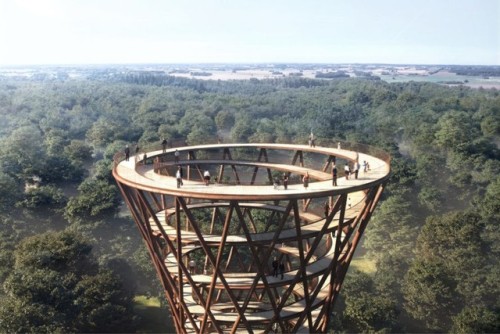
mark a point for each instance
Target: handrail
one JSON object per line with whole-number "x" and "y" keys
{"x": 327, "y": 142}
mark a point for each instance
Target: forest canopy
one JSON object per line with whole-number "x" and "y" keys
{"x": 434, "y": 239}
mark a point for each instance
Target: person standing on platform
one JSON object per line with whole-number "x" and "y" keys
{"x": 365, "y": 166}
{"x": 127, "y": 153}
{"x": 178, "y": 177}
{"x": 282, "y": 269}
{"x": 338, "y": 146}
{"x": 285, "y": 181}
{"x": 137, "y": 148}
{"x": 327, "y": 209}
{"x": 276, "y": 183}
{"x": 275, "y": 267}
{"x": 192, "y": 267}
{"x": 206, "y": 177}
{"x": 176, "y": 156}
{"x": 305, "y": 180}
{"x": 164, "y": 145}
{"x": 312, "y": 140}
{"x": 356, "y": 170}
{"x": 334, "y": 175}
{"x": 347, "y": 171}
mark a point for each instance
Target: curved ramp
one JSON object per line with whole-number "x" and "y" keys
{"x": 217, "y": 248}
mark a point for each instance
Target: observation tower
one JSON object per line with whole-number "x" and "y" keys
{"x": 242, "y": 254}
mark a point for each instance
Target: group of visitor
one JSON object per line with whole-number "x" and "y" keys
{"x": 278, "y": 268}
{"x": 350, "y": 172}
{"x": 276, "y": 182}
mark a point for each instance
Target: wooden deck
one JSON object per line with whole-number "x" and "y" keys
{"x": 135, "y": 174}
{"x": 315, "y": 224}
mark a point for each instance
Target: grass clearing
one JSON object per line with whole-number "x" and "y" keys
{"x": 154, "y": 318}
{"x": 364, "y": 264}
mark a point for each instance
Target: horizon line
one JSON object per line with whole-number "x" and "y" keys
{"x": 238, "y": 63}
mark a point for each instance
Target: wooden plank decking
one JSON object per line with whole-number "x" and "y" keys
{"x": 143, "y": 177}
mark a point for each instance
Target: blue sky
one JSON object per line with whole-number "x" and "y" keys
{"x": 253, "y": 31}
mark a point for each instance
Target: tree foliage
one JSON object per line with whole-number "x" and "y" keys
{"x": 48, "y": 197}
{"x": 95, "y": 199}
{"x": 56, "y": 285}
{"x": 58, "y": 138}
{"x": 452, "y": 270}
{"x": 365, "y": 309}
{"x": 476, "y": 320}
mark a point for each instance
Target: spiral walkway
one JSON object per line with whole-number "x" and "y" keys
{"x": 215, "y": 247}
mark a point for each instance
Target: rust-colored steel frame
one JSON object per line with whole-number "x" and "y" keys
{"x": 246, "y": 296}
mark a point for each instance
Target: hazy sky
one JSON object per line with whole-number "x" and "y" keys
{"x": 250, "y": 31}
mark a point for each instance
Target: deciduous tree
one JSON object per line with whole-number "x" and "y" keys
{"x": 57, "y": 286}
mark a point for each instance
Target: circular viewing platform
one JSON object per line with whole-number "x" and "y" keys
{"x": 160, "y": 176}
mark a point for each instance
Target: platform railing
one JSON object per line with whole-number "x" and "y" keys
{"x": 326, "y": 142}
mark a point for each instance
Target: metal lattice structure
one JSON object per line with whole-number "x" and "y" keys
{"x": 243, "y": 254}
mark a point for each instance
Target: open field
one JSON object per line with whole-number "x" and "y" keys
{"x": 444, "y": 77}
{"x": 386, "y": 72}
